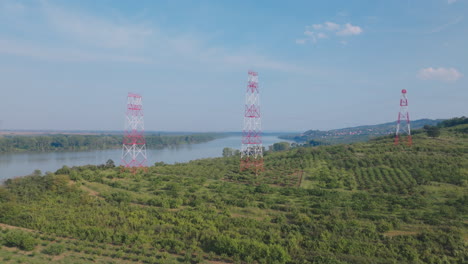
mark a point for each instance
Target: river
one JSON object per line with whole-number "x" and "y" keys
{"x": 20, "y": 164}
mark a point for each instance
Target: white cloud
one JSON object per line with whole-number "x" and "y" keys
{"x": 312, "y": 37}
{"x": 317, "y": 26}
{"x": 440, "y": 74}
{"x": 322, "y": 35}
{"x": 448, "y": 24}
{"x": 322, "y": 31}
{"x": 331, "y": 26}
{"x": 349, "y": 30}
{"x": 451, "y": 1}
{"x": 300, "y": 41}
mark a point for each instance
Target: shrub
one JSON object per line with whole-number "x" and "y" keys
{"x": 54, "y": 249}
{"x": 20, "y": 239}
{"x": 119, "y": 197}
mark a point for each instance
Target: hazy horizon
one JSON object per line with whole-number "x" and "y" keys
{"x": 191, "y": 131}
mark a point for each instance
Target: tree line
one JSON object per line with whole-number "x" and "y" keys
{"x": 43, "y": 143}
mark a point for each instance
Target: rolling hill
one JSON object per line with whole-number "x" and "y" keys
{"x": 355, "y": 134}
{"x": 367, "y": 202}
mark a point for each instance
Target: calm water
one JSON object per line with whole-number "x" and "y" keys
{"x": 20, "y": 164}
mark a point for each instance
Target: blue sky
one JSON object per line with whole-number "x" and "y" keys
{"x": 321, "y": 64}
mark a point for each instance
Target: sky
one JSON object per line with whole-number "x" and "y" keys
{"x": 69, "y": 65}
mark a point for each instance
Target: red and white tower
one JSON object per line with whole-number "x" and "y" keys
{"x": 403, "y": 115}
{"x": 252, "y": 149}
{"x": 134, "y": 144}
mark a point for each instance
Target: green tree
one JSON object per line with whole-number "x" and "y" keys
{"x": 432, "y": 131}
{"x": 280, "y": 146}
{"x": 110, "y": 163}
{"x": 228, "y": 152}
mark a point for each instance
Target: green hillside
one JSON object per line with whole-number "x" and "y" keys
{"x": 369, "y": 202}
{"x": 355, "y": 134}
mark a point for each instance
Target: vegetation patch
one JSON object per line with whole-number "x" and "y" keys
{"x": 367, "y": 202}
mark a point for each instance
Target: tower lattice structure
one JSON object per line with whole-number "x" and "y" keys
{"x": 134, "y": 143}
{"x": 403, "y": 117}
{"x": 252, "y": 149}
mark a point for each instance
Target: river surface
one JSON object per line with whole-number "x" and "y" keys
{"x": 20, "y": 164}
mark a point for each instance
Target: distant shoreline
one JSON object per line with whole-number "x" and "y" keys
{"x": 17, "y": 143}
{"x": 39, "y": 133}
{"x": 19, "y": 132}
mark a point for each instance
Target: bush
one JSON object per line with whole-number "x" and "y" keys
{"x": 119, "y": 197}
{"x": 21, "y": 239}
{"x": 432, "y": 131}
{"x": 54, "y": 249}
{"x": 263, "y": 188}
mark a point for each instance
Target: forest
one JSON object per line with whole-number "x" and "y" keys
{"x": 367, "y": 202}
{"x": 42, "y": 143}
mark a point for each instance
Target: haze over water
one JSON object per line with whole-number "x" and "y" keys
{"x": 20, "y": 164}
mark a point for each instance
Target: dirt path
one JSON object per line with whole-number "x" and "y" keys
{"x": 16, "y": 227}
{"x": 90, "y": 191}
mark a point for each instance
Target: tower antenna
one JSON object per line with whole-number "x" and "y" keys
{"x": 403, "y": 115}
{"x": 252, "y": 149}
{"x": 134, "y": 143}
